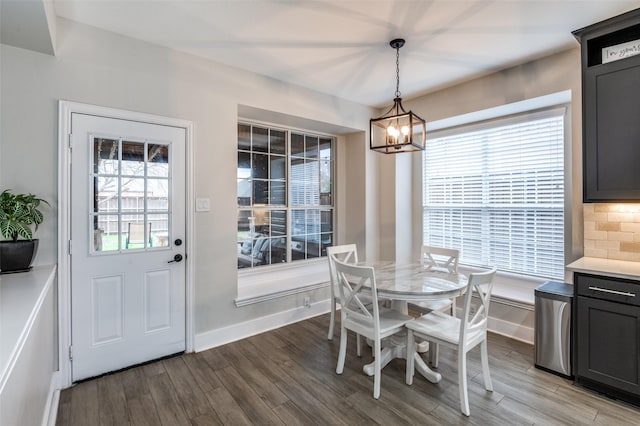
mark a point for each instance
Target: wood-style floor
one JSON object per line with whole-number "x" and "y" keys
{"x": 287, "y": 376}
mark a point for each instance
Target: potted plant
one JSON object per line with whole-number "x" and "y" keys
{"x": 18, "y": 214}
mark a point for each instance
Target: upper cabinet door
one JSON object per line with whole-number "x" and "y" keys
{"x": 611, "y": 110}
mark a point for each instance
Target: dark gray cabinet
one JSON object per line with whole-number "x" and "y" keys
{"x": 607, "y": 335}
{"x": 610, "y": 111}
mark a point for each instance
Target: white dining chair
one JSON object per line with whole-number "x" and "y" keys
{"x": 461, "y": 334}
{"x": 437, "y": 259}
{"x": 369, "y": 320}
{"x": 347, "y": 253}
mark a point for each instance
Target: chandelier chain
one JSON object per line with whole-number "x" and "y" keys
{"x": 397, "y": 72}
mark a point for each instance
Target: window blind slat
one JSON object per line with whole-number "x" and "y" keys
{"x": 497, "y": 194}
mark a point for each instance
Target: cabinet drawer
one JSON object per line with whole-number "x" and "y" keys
{"x": 613, "y": 289}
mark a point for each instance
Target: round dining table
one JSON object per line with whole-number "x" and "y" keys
{"x": 405, "y": 282}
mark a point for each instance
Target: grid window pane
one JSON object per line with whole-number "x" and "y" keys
{"x": 270, "y": 183}
{"x": 244, "y": 137}
{"x": 496, "y": 193}
{"x": 278, "y": 143}
{"x": 260, "y": 139}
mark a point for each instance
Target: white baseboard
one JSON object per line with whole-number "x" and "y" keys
{"x": 51, "y": 409}
{"x": 221, "y": 336}
{"x": 511, "y": 330}
{"x": 232, "y": 333}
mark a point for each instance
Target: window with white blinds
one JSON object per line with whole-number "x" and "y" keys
{"x": 495, "y": 191}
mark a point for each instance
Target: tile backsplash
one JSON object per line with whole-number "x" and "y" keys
{"x": 612, "y": 231}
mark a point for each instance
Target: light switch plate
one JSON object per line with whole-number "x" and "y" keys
{"x": 202, "y": 204}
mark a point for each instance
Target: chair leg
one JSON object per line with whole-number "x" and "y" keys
{"x": 343, "y": 350}
{"x": 485, "y": 366}
{"x": 462, "y": 382}
{"x": 377, "y": 374}
{"x": 358, "y": 345}
{"x": 410, "y": 361}
{"x": 332, "y": 321}
{"x": 434, "y": 350}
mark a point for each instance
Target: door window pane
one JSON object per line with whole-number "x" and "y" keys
{"x": 159, "y": 228}
{"x": 105, "y": 233}
{"x": 105, "y": 156}
{"x": 157, "y": 194}
{"x": 135, "y": 234}
{"x": 158, "y": 160}
{"x": 133, "y": 158}
{"x": 130, "y": 195}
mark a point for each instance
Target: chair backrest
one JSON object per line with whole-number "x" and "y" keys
{"x": 439, "y": 258}
{"x": 347, "y": 253}
{"x": 357, "y": 283}
{"x": 482, "y": 284}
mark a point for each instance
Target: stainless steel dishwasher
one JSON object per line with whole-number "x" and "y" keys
{"x": 552, "y": 337}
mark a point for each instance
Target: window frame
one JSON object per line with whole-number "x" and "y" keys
{"x": 521, "y": 112}
{"x": 284, "y": 273}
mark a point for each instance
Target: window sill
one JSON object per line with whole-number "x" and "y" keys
{"x": 259, "y": 285}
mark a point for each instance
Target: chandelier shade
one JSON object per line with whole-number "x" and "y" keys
{"x": 397, "y": 130}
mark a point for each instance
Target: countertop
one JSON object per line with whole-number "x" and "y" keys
{"x": 606, "y": 267}
{"x": 21, "y": 296}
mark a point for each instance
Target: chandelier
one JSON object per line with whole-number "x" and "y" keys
{"x": 397, "y": 130}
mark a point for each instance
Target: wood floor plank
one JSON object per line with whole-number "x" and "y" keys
{"x": 203, "y": 374}
{"x": 214, "y": 359}
{"x": 112, "y": 401}
{"x": 260, "y": 383}
{"x": 287, "y": 376}
{"x": 206, "y": 420}
{"x": 64, "y": 408}
{"x": 84, "y": 404}
{"x": 153, "y": 369}
{"x": 134, "y": 382}
{"x": 193, "y": 401}
{"x": 244, "y": 395}
{"x": 227, "y": 409}
{"x": 166, "y": 401}
{"x": 142, "y": 410}
{"x": 310, "y": 405}
{"x": 291, "y": 415}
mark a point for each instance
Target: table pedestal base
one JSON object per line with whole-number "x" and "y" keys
{"x": 398, "y": 349}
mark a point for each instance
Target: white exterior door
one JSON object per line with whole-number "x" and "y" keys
{"x": 127, "y": 243}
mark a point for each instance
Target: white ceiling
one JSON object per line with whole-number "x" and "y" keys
{"x": 342, "y": 47}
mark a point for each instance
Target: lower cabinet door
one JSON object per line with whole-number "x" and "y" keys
{"x": 608, "y": 343}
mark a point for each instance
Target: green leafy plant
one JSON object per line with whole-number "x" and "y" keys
{"x": 18, "y": 213}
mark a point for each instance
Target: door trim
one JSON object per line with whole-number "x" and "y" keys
{"x": 65, "y": 110}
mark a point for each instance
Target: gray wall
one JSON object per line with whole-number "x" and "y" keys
{"x": 97, "y": 67}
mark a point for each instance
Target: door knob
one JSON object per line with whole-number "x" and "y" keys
{"x": 178, "y": 242}
{"x": 176, "y": 258}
